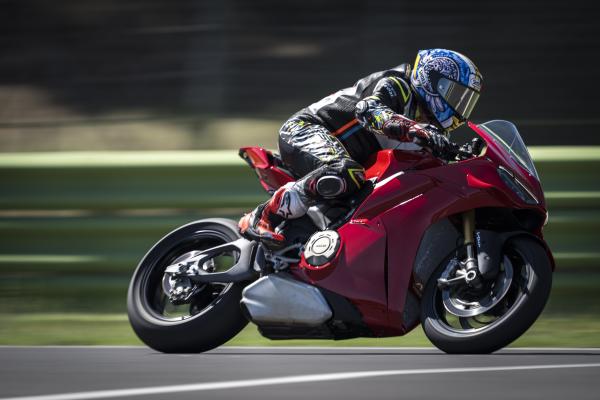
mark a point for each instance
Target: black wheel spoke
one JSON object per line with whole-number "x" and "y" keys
{"x": 464, "y": 323}
{"x": 163, "y": 302}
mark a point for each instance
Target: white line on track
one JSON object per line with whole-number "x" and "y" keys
{"x": 149, "y": 391}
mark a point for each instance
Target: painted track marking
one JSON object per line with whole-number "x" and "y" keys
{"x": 106, "y": 394}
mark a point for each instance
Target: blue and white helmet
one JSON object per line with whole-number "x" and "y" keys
{"x": 448, "y": 83}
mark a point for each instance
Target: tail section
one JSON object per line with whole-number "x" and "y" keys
{"x": 268, "y": 167}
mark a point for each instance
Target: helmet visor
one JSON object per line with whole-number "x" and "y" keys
{"x": 461, "y": 98}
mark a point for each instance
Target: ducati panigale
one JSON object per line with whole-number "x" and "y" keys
{"x": 454, "y": 245}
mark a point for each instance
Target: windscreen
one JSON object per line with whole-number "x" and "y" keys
{"x": 507, "y": 136}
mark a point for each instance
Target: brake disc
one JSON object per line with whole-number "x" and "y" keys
{"x": 461, "y": 307}
{"x": 180, "y": 288}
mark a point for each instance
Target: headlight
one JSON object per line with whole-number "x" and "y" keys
{"x": 516, "y": 186}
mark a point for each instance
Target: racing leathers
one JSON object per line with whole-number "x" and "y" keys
{"x": 326, "y": 144}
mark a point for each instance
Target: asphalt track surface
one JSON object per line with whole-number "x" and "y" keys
{"x": 53, "y": 373}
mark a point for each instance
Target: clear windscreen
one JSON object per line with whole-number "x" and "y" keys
{"x": 507, "y": 136}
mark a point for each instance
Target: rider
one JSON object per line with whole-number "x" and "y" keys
{"x": 327, "y": 143}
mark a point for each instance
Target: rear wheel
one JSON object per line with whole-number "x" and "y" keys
{"x": 460, "y": 320}
{"x": 210, "y": 316}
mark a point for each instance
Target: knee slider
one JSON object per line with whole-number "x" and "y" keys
{"x": 341, "y": 178}
{"x": 330, "y": 186}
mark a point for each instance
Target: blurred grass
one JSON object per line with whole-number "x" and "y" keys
{"x": 571, "y": 319}
{"x": 113, "y": 329}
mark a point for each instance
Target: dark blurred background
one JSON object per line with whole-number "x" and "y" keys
{"x": 161, "y": 74}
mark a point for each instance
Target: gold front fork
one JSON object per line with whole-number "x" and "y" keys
{"x": 469, "y": 226}
{"x": 473, "y": 276}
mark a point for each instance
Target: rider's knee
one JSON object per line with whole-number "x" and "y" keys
{"x": 339, "y": 179}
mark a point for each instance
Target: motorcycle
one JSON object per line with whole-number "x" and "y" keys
{"x": 454, "y": 245}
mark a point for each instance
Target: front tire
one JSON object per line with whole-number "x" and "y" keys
{"x": 520, "y": 306}
{"x": 212, "y": 317}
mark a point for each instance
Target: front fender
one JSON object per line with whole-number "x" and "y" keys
{"x": 509, "y": 235}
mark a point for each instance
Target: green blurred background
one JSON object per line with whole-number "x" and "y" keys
{"x": 120, "y": 120}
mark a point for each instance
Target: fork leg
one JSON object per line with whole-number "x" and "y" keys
{"x": 469, "y": 241}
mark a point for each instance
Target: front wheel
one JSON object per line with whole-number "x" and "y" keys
{"x": 210, "y": 316}
{"x": 461, "y": 320}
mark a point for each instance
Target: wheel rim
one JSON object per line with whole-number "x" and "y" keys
{"x": 156, "y": 302}
{"x": 464, "y": 312}
{"x": 456, "y": 303}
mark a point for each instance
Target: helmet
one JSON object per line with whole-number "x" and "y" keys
{"x": 448, "y": 83}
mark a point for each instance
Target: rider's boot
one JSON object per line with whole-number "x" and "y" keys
{"x": 260, "y": 224}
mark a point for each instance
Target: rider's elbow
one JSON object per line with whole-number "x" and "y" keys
{"x": 363, "y": 111}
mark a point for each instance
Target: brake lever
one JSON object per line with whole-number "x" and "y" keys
{"x": 459, "y": 153}
{"x": 453, "y": 151}
{"x": 465, "y": 151}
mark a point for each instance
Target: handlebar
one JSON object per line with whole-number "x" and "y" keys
{"x": 459, "y": 152}
{"x": 454, "y": 151}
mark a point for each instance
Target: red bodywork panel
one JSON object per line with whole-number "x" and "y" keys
{"x": 387, "y": 162}
{"x": 262, "y": 161}
{"x": 413, "y": 190}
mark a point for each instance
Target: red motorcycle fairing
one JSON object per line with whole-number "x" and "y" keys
{"x": 387, "y": 162}
{"x": 359, "y": 263}
{"x": 374, "y": 265}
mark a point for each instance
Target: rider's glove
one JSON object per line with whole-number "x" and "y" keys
{"x": 429, "y": 136}
{"x": 432, "y": 138}
{"x": 439, "y": 145}
{"x": 398, "y": 127}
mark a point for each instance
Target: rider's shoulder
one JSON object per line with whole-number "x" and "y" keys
{"x": 401, "y": 71}
{"x": 397, "y": 76}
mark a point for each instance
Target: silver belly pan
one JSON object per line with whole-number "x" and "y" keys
{"x": 275, "y": 300}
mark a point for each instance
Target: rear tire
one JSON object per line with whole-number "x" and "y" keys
{"x": 211, "y": 322}
{"x": 511, "y": 323}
